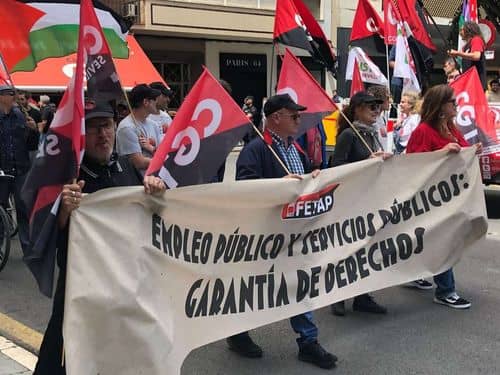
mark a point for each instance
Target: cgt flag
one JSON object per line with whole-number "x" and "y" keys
{"x": 57, "y": 162}
{"x": 295, "y": 26}
{"x": 367, "y": 22}
{"x": 297, "y": 82}
{"x": 206, "y": 128}
{"x": 391, "y": 20}
{"x": 472, "y": 112}
{"x": 103, "y": 83}
{"x": 411, "y": 12}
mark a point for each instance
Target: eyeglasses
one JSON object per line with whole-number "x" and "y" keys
{"x": 294, "y": 117}
{"x": 95, "y": 129}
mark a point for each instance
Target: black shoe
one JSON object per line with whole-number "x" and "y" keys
{"x": 243, "y": 345}
{"x": 454, "y": 301}
{"x": 365, "y": 303}
{"x": 315, "y": 354}
{"x": 338, "y": 308}
{"x": 421, "y": 284}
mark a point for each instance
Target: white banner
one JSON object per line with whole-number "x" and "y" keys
{"x": 151, "y": 278}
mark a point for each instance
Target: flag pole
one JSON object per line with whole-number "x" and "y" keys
{"x": 272, "y": 71}
{"x": 271, "y": 149}
{"x": 446, "y": 43}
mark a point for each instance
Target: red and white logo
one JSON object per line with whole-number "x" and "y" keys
{"x": 310, "y": 205}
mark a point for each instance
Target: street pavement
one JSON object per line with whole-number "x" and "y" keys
{"x": 417, "y": 336}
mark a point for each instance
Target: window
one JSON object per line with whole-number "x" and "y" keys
{"x": 178, "y": 78}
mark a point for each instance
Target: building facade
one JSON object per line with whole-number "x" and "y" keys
{"x": 233, "y": 39}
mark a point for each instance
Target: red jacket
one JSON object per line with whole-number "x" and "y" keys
{"x": 425, "y": 139}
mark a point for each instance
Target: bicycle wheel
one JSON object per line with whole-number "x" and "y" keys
{"x": 4, "y": 238}
{"x": 11, "y": 216}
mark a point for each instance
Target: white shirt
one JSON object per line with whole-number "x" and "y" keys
{"x": 162, "y": 120}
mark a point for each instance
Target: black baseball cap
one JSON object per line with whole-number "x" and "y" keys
{"x": 160, "y": 86}
{"x": 94, "y": 109}
{"x": 363, "y": 97}
{"x": 141, "y": 92}
{"x": 276, "y": 102}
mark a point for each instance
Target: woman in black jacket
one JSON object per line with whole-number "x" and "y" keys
{"x": 362, "y": 111}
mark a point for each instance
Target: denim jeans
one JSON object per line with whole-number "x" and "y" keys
{"x": 445, "y": 284}
{"x": 304, "y": 326}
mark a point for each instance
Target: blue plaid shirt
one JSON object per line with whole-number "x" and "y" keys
{"x": 290, "y": 154}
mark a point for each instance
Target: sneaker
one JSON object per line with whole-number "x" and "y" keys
{"x": 243, "y": 345}
{"x": 338, "y": 308}
{"x": 366, "y": 303}
{"x": 421, "y": 284}
{"x": 454, "y": 301}
{"x": 315, "y": 354}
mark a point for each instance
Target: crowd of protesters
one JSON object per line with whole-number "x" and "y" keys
{"x": 120, "y": 143}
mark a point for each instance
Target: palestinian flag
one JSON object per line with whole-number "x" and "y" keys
{"x": 207, "y": 126}
{"x": 297, "y": 82}
{"x": 295, "y": 26}
{"x": 31, "y": 31}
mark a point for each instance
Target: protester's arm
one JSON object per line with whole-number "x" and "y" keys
{"x": 248, "y": 165}
{"x": 71, "y": 197}
{"x": 139, "y": 161}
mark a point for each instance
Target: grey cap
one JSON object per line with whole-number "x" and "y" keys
{"x": 95, "y": 109}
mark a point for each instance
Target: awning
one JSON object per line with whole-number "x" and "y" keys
{"x": 53, "y": 74}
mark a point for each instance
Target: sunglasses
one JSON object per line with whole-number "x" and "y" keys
{"x": 374, "y": 106}
{"x": 294, "y": 117}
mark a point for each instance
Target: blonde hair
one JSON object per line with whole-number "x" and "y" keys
{"x": 414, "y": 100}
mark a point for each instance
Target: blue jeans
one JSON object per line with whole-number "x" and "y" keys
{"x": 304, "y": 326}
{"x": 445, "y": 284}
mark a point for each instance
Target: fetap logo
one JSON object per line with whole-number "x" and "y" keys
{"x": 310, "y": 205}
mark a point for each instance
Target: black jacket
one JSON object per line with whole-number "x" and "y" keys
{"x": 24, "y": 140}
{"x": 349, "y": 148}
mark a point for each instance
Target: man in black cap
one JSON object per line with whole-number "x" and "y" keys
{"x": 161, "y": 116}
{"x": 138, "y": 137}
{"x": 100, "y": 169}
{"x": 18, "y": 136}
{"x": 256, "y": 160}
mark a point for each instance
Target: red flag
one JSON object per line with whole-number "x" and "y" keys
{"x": 103, "y": 83}
{"x": 391, "y": 20}
{"x": 357, "y": 83}
{"x": 297, "y": 82}
{"x": 408, "y": 11}
{"x": 17, "y": 21}
{"x": 367, "y": 22}
{"x": 295, "y": 26}
{"x": 472, "y": 117}
{"x": 56, "y": 163}
{"x": 207, "y": 126}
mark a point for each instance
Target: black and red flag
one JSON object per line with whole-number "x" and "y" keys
{"x": 295, "y": 26}
{"x": 412, "y": 13}
{"x": 207, "y": 126}
{"x": 57, "y": 163}
{"x": 103, "y": 83}
{"x": 296, "y": 81}
{"x": 368, "y": 30}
